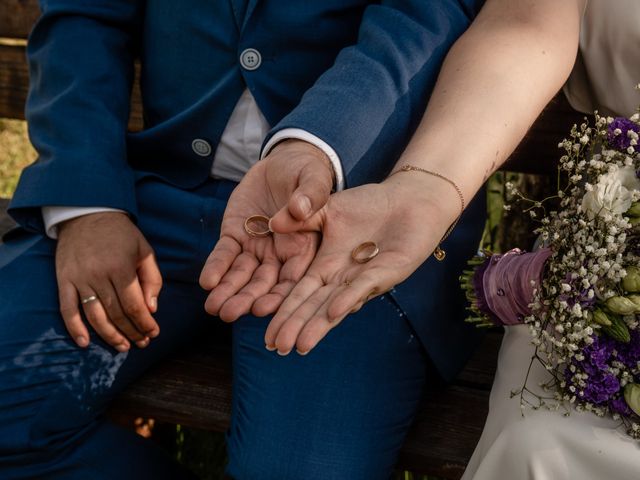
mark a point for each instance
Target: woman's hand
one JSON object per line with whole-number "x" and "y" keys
{"x": 405, "y": 216}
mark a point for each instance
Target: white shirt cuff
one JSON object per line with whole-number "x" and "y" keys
{"x": 53, "y": 216}
{"x": 300, "y": 134}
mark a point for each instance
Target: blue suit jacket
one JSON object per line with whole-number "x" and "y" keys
{"x": 355, "y": 73}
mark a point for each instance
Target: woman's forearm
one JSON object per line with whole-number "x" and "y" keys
{"x": 494, "y": 83}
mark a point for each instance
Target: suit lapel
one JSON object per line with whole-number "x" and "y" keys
{"x": 238, "y": 8}
{"x": 251, "y": 5}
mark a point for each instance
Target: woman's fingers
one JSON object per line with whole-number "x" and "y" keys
{"x": 298, "y": 296}
{"x": 350, "y": 298}
{"x": 287, "y": 335}
{"x": 360, "y": 290}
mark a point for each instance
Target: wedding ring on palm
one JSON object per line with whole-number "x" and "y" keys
{"x": 365, "y": 251}
{"x": 252, "y": 223}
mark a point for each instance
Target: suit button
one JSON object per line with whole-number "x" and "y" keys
{"x": 250, "y": 59}
{"x": 201, "y": 147}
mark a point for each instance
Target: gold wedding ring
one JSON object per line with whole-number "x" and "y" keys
{"x": 364, "y": 252}
{"x": 89, "y": 299}
{"x": 256, "y": 219}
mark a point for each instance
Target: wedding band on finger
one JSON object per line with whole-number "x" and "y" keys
{"x": 257, "y": 219}
{"x": 89, "y": 299}
{"x": 364, "y": 252}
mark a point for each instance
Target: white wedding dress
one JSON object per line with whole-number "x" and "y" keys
{"x": 544, "y": 444}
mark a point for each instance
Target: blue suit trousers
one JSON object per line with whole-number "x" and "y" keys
{"x": 340, "y": 412}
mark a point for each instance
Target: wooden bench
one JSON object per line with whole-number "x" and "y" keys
{"x": 194, "y": 388}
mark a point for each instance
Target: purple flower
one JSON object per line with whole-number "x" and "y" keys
{"x": 629, "y": 353}
{"x": 619, "y": 405}
{"x": 602, "y": 386}
{"x": 622, "y": 140}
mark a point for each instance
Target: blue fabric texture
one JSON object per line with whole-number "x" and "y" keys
{"x": 355, "y": 73}
{"x": 344, "y": 409}
{"x": 365, "y": 70}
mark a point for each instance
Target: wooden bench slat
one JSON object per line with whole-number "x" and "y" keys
{"x": 445, "y": 432}
{"x": 14, "y": 86}
{"x": 481, "y": 369}
{"x": 14, "y": 81}
{"x": 192, "y": 388}
{"x": 17, "y": 17}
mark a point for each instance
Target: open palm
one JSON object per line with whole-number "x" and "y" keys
{"x": 406, "y": 227}
{"x": 242, "y": 268}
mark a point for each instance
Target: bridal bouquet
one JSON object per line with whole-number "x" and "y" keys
{"x": 579, "y": 292}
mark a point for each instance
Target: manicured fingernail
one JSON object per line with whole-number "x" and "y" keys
{"x": 305, "y": 204}
{"x": 303, "y": 353}
{"x": 82, "y": 341}
{"x": 153, "y": 301}
{"x": 153, "y": 333}
{"x": 123, "y": 347}
{"x": 271, "y": 348}
{"x": 284, "y": 354}
{"x": 142, "y": 343}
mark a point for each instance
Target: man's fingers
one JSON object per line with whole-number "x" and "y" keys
{"x": 262, "y": 281}
{"x": 97, "y": 317}
{"x": 314, "y": 187}
{"x": 70, "y": 312}
{"x": 237, "y": 277}
{"x": 150, "y": 280}
{"x": 220, "y": 260}
{"x": 270, "y": 302}
{"x": 311, "y": 195}
{"x": 132, "y": 301}
{"x": 108, "y": 297}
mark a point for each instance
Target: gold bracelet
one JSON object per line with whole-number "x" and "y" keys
{"x": 439, "y": 253}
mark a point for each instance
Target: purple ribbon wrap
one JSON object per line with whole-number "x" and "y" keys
{"x": 503, "y": 286}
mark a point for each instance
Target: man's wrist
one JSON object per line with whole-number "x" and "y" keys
{"x": 92, "y": 217}
{"x": 303, "y": 135}
{"x": 309, "y": 149}
{"x": 54, "y": 216}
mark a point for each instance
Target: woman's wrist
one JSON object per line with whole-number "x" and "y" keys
{"x": 433, "y": 199}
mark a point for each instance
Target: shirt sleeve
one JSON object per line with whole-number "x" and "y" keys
{"x": 53, "y": 216}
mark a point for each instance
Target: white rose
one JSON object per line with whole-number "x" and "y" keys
{"x": 612, "y": 193}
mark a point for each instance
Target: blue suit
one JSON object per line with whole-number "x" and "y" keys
{"x": 357, "y": 74}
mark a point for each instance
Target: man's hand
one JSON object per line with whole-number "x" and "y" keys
{"x": 405, "y": 217}
{"x": 106, "y": 256}
{"x": 255, "y": 274}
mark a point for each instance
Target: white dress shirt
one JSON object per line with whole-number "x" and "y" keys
{"x": 238, "y": 150}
